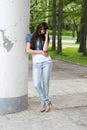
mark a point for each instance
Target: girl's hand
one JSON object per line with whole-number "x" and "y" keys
{"x": 46, "y": 35}
{"x": 45, "y": 53}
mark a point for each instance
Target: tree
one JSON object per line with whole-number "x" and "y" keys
{"x": 80, "y": 36}
{"x": 54, "y": 26}
{"x": 85, "y": 27}
{"x": 47, "y": 12}
{"x": 60, "y": 12}
{"x": 82, "y": 47}
{"x": 72, "y": 12}
{"x": 38, "y": 12}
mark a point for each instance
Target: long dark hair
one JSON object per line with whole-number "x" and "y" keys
{"x": 37, "y": 34}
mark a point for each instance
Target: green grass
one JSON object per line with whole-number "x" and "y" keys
{"x": 70, "y": 54}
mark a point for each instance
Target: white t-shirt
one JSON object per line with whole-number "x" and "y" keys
{"x": 37, "y": 58}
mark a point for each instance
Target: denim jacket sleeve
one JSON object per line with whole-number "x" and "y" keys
{"x": 28, "y": 38}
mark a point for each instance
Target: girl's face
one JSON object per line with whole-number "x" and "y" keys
{"x": 43, "y": 31}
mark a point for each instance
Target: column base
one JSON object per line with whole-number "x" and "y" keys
{"x": 11, "y": 105}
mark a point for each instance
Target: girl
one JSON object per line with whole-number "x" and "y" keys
{"x": 37, "y": 45}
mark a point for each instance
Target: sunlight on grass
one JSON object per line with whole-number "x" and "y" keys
{"x": 70, "y": 54}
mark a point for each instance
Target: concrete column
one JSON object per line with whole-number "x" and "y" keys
{"x": 14, "y": 20}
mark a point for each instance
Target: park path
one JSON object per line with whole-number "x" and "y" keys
{"x": 68, "y": 92}
{"x": 68, "y": 82}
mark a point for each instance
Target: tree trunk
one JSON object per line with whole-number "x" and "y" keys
{"x": 47, "y": 2}
{"x": 80, "y": 36}
{"x": 82, "y": 47}
{"x": 85, "y": 27}
{"x": 54, "y": 26}
{"x": 60, "y": 11}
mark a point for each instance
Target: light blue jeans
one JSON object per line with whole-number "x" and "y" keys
{"x": 41, "y": 77}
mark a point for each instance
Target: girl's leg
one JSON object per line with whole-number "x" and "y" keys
{"x": 37, "y": 74}
{"x": 47, "y": 67}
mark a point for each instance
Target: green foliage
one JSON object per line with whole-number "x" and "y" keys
{"x": 38, "y": 12}
{"x": 72, "y": 12}
{"x": 66, "y": 32}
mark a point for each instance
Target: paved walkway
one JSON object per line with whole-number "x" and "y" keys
{"x": 68, "y": 92}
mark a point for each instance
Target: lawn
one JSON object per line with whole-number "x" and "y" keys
{"x": 70, "y": 54}
{"x": 69, "y": 50}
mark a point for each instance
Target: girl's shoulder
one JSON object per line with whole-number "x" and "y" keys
{"x": 29, "y": 37}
